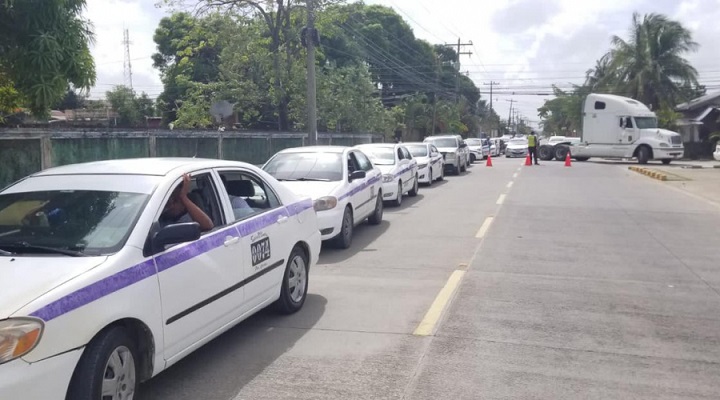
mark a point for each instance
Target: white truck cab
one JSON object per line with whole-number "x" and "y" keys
{"x": 620, "y": 127}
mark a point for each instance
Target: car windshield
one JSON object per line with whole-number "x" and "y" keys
{"x": 418, "y": 151}
{"x": 646, "y": 122}
{"x": 447, "y": 142}
{"x": 380, "y": 155}
{"x": 306, "y": 166}
{"x": 474, "y": 142}
{"x": 85, "y": 222}
{"x": 517, "y": 141}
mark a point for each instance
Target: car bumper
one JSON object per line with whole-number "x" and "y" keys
{"x": 424, "y": 175}
{"x": 390, "y": 190}
{"x": 517, "y": 153}
{"x": 330, "y": 222}
{"x": 47, "y": 379}
{"x": 668, "y": 153}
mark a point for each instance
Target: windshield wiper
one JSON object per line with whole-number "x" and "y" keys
{"x": 32, "y": 247}
{"x": 304, "y": 179}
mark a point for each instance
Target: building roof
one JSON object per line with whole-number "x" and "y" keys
{"x": 709, "y": 99}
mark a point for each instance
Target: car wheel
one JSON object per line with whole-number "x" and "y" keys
{"x": 398, "y": 200}
{"x": 643, "y": 155}
{"x": 582, "y": 158}
{"x": 377, "y": 215}
{"x": 344, "y": 239}
{"x": 472, "y": 158}
{"x": 666, "y": 161}
{"x": 430, "y": 177}
{"x": 295, "y": 282}
{"x": 107, "y": 368}
{"x": 545, "y": 152}
{"x": 414, "y": 191}
{"x": 442, "y": 174}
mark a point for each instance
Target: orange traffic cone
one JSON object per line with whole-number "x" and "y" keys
{"x": 568, "y": 163}
{"x": 489, "y": 161}
{"x": 527, "y": 160}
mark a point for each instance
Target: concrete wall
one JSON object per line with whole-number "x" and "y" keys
{"x": 25, "y": 151}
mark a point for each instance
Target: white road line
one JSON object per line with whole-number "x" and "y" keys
{"x": 501, "y": 199}
{"x": 509, "y": 185}
{"x": 515, "y": 175}
{"x": 484, "y": 228}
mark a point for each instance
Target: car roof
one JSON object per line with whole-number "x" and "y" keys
{"x": 316, "y": 149}
{"x": 443, "y": 137}
{"x": 388, "y": 145}
{"x": 137, "y": 166}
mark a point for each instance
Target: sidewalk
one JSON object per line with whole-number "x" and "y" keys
{"x": 702, "y": 182}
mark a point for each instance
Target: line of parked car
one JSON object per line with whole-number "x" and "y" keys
{"x": 352, "y": 184}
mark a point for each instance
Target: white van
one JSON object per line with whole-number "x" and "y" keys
{"x": 620, "y": 127}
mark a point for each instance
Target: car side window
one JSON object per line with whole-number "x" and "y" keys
{"x": 248, "y": 194}
{"x": 434, "y": 149}
{"x": 352, "y": 163}
{"x": 363, "y": 162}
{"x": 400, "y": 155}
{"x": 406, "y": 153}
{"x": 203, "y": 194}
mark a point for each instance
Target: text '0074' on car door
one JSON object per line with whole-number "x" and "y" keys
{"x": 260, "y": 249}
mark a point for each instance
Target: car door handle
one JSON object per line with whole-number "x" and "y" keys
{"x": 231, "y": 240}
{"x": 282, "y": 219}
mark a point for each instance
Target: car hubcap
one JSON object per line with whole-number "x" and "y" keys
{"x": 297, "y": 279}
{"x": 119, "y": 377}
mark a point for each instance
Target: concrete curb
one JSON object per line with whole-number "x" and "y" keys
{"x": 649, "y": 172}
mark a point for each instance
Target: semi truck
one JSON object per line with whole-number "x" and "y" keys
{"x": 623, "y": 128}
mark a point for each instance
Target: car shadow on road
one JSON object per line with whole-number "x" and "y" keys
{"x": 363, "y": 236}
{"x": 435, "y": 184}
{"x": 221, "y": 368}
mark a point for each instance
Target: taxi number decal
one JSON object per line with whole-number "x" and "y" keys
{"x": 260, "y": 251}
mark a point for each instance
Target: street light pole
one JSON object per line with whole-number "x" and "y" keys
{"x": 310, "y": 38}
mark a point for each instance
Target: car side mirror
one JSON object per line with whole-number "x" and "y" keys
{"x": 355, "y": 175}
{"x": 175, "y": 234}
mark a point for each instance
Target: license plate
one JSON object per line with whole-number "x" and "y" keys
{"x": 260, "y": 251}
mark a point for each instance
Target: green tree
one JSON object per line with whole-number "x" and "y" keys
{"x": 44, "y": 46}
{"x": 131, "y": 109}
{"x": 650, "y": 66}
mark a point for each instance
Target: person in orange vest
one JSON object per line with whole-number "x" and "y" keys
{"x": 532, "y": 146}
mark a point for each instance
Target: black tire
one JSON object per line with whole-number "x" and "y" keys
{"x": 561, "y": 152}
{"x": 414, "y": 191}
{"x": 582, "y": 158}
{"x": 644, "y": 154}
{"x": 343, "y": 239}
{"x": 463, "y": 168}
{"x": 666, "y": 161}
{"x": 472, "y": 158}
{"x": 430, "y": 177}
{"x": 377, "y": 215}
{"x": 94, "y": 366}
{"x": 546, "y": 152}
{"x": 398, "y": 200}
{"x": 291, "y": 301}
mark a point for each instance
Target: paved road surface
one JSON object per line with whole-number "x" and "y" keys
{"x": 589, "y": 282}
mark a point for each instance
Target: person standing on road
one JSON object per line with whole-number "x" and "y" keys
{"x": 532, "y": 147}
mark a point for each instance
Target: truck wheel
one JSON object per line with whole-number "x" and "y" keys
{"x": 545, "y": 152}
{"x": 643, "y": 154}
{"x": 561, "y": 152}
{"x": 666, "y": 161}
{"x": 582, "y": 158}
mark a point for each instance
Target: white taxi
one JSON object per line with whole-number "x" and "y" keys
{"x": 399, "y": 169}
{"x": 115, "y": 270}
{"x": 431, "y": 166}
{"x": 344, "y": 185}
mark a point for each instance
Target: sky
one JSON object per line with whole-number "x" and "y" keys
{"x": 521, "y": 46}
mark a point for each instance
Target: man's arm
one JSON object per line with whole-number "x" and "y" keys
{"x": 193, "y": 210}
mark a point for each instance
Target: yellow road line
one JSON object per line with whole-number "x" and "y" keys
{"x": 427, "y": 325}
{"x": 501, "y": 199}
{"x": 484, "y": 228}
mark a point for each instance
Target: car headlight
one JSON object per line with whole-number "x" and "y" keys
{"x": 388, "y": 178}
{"x": 421, "y": 166}
{"x": 325, "y": 203}
{"x": 664, "y": 145}
{"x": 18, "y": 336}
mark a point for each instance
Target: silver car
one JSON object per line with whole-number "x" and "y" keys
{"x": 454, "y": 151}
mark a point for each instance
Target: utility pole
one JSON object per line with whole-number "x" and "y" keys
{"x": 435, "y": 98}
{"x": 459, "y": 45}
{"x": 510, "y": 113}
{"x": 311, "y": 38}
{"x": 127, "y": 66}
{"x": 491, "y": 99}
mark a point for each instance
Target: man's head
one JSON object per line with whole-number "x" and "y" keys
{"x": 175, "y": 206}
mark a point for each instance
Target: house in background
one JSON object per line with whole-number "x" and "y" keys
{"x": 700, "y": 119}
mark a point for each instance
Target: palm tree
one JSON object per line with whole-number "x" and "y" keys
{"x": 649, "y": 66}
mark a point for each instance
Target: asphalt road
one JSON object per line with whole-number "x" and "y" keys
{"x": 587, "y": 282}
